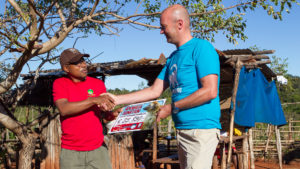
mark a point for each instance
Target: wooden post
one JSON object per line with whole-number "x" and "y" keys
{"x": 240, "y": 161}
{"x": 215, "y": 162}
{"x": 290, "y": 130}
{"x": 245, "y": 152}
{"x": 252, "y": 165}
{"x": 51, "y": 145}
{"x": 170, "y": 128}
{"x": 223, "y": 163}
{"x": 121, "y": 152}
{"x": 269, "y": 130}
{"x": 278, "y": 145}
{"x": 154, "y": 155}
{"x": 234, "y": 92}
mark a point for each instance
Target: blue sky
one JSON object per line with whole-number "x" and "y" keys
{"x": 262, "y": 30}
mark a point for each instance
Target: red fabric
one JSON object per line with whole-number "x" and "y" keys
{"x": 217, "y": 152}
{"x": 83, "y": 131}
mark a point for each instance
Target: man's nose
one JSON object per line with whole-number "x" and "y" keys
{"x": 162, "y": 31}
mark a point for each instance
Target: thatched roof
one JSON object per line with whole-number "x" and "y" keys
{"x": 149, "y": 69}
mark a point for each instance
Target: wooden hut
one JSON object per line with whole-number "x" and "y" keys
{"x": 231, "y": 62}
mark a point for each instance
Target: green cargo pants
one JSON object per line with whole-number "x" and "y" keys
{"x": 95, "y": 159}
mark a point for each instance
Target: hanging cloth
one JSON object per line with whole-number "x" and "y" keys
{"x": 257, "y": 100}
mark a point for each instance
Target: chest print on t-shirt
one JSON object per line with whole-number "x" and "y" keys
{"x": 90, "y": 93}
{"x": 173, "y": 80}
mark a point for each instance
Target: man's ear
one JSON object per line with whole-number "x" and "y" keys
{"x": 65, "y": 68}
{"x": 180, "y": 23}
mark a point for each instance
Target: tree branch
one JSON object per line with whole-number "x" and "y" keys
{"x": 7, "y": 120}
{"x": 6, "y": 84}
{"x": 33, "y": 26}
{"x": 61, "y": 15}
{"x": 4, "y": 50}
{"x": 72, "y": 10}
{"x": 111, "y": 31}
{"x": 19, "y": 10}
{"x": 124, "y": 19}
{"x": 32, "y": 7}
{"x": 94, "y": 7}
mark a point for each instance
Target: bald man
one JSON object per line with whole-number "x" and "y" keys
{"x": 192, "y": 72}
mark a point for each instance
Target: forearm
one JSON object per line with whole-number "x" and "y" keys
{"x": 197, "y": 98}
{"x": 207, "y": 92}
{"x": 146, "y": 94}
{"x": 67, "y": 108}
{"x": 138, "y": 96}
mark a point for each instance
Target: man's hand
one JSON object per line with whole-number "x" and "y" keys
{"x": 114, "y": 97}
{"x": 104, "y": 102}
{"x": 111, "y": 115}
{"x": 164, "y": 111}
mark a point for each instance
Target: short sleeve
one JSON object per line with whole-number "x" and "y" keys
{"x": 206, "y": 59}
{"x": 101, "y": 86}
{"x": 163, "y": 75}
{"x": 59, "y": 90}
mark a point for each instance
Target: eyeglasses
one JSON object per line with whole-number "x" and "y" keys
{"x": 162, "y": 27}
{"x": 81, "y": 60}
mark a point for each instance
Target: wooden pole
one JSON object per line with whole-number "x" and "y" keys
{"x": 223, "y": 163}
{"x": 252, "y": 165}
{"x": 120, "y": 147}
{"x": 269, "y": 130}
{"x": 170, "y": 128}
{"x": 234, "y": 92}
{"x": 290, "y": 130}
{"x": 264, "y": 52}
{"x": 215, "y": 162}
{"x": 51, "y": 149}
{"x": 245, "y": 152}
{"x": 278, "y": 145}
{"x": 154, "y": 155}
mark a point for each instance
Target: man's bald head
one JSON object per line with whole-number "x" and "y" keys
{"x": 177, "y": 12}
{"x": 175, "y": 25}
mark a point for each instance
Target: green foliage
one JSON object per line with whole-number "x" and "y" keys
{"x": 290, "y": 93}
{"x": 279, "y": 65}
{"x": 167, "y": 94}
{"x": 118, "y": 91}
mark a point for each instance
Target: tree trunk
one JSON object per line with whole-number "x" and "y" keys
{"x": 25, "y": 135}
{"x": 27, "y": 151}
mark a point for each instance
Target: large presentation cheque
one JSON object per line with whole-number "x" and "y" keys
{"x": 135, "y": 117}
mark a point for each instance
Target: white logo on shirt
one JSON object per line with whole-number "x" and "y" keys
{"x": 173, "y": 80}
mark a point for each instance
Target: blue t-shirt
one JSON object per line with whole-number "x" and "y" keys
{"x": 184, "y": 68}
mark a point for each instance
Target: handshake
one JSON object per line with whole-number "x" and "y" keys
{"x": 106, "y": 101}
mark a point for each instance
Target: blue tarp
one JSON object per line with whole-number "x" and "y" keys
{"x": 257, "y": 100}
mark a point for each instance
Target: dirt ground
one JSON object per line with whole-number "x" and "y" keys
{"x": 260, "y": 164}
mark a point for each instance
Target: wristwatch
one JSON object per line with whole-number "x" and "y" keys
{"x": 175, "y": 109}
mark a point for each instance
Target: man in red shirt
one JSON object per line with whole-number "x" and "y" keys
{"x": 78, "y": 100}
